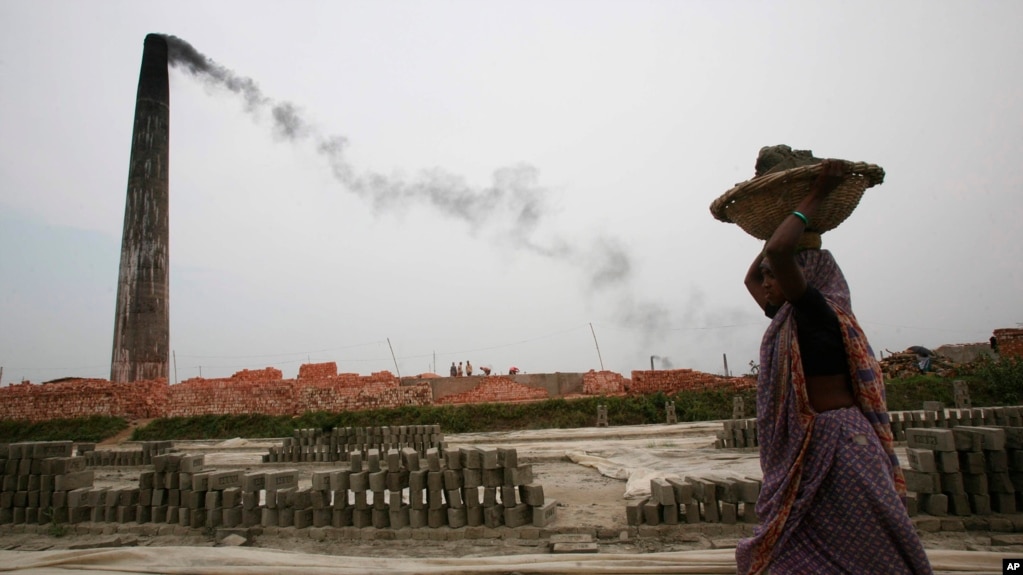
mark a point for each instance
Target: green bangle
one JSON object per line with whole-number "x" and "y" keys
{"x": 800, "y": 216}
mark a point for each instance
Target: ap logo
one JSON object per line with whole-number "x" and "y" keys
{"x": 1012, "y": 566}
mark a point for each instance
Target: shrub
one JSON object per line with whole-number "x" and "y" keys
{"x": 1004, "y": 377}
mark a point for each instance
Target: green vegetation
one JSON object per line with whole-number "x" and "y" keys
{"x": 552, "y": 413}
{"x": 1004, "y": 377}
{"x": 909, "y": 393}
{"x": 94, "y": 429}
{"x": 55, "y": 529}
{"x": 991, "y": 383}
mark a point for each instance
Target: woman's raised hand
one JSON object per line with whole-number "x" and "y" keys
{"x": 831, "y": 175}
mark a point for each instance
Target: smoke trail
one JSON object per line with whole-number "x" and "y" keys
{"x": 513, "y": 205}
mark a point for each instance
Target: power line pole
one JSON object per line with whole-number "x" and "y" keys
{"x": 597, "y": 345}
{"x": 396, "y": 370}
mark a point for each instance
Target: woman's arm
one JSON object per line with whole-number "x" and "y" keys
{"x": 781, "y": 248}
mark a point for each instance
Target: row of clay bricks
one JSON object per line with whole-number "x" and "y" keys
{"x": 1010, "y": 342}
{"x": 965, "y": 470}
{"x": 737, "y": 433}
{"x": 468, "y": 487}
{"x": 696, "y": 500}
{"x": 495, "y": 390}
{"x": 36, "y": 479}
{"x": 938, "y": 417}
{"x": 317, "y": 370}
{"x": 82, "y": 398}
{"x": 341, "y": 442}
{"x": 43, "y": 449}
{"x": 19, "y": 460}
{"x": 603, "y": 383}
{"x": 366, "y": 435}
{"x": 180, "y": 491}
{"x": 125, "y": 458}
{"x": 670, "y": 381}
{"x": 497, "y": 466}
{"x": 743, "y": 432}
{"x": 265, "y": 400}
{"x": 340, "y": 399}
{"x": 269, "y": 374}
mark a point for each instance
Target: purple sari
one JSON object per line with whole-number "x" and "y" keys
{"x": 832, "y": 497}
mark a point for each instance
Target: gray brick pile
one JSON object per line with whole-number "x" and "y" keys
{"x": 965, "y": 470}
{"x": 470, "y": 486}
{"x": 950, "y": 418}
{"x": 739, "y": 433}
{"x": 124, "y": 457}
{"x": 961, "y": 462}
{"x": 696, "y": 500}
{"x": 36, "y": 479}
{"x": 317, "y": 445}
{"x": 466, "y": 487}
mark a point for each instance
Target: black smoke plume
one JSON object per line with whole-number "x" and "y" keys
{"x": 514, "y": 204}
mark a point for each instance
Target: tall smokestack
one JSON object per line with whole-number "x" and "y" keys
{"x": 142, "y": 317}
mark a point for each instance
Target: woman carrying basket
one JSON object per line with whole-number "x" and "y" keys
{"x": 832, "y": 497}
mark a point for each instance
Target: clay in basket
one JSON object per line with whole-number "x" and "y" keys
{"x": 759, "y": 205}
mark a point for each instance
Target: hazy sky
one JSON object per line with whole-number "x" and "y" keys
{"x": 514, "y": 172}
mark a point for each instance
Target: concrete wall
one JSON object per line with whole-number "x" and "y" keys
{"x": 965, "y": 352}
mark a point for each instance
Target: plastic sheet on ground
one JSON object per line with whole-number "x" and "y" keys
{"x": 250, "y": 561}
{"x": 638, "y": 465}
{"x": 635, "y": 454}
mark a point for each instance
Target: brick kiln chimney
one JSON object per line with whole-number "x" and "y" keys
{"x": 142, "y": 316}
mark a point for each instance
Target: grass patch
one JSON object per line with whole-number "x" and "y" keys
{"x": 88, "y": 429}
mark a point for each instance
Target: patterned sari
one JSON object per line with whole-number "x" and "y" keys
{"x": 833, "y": 492}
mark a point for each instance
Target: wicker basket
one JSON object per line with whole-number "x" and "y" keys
{"x": 759, "y": 205}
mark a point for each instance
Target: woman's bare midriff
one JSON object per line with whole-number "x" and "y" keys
{"x": 827, "y": 392}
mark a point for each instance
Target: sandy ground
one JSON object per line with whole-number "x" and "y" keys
{"x": 592, "y": 473}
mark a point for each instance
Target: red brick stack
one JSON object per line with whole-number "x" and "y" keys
{"x": 675, "y": 380}
{"x": 259, "y": 391}
{"x": 83, "y": 398}
{"x": 320, "y": 388}
{"x": 603, "y": 383}
{"x": 1010, "y": 342}
{"x": 370, "y": 396}
{"x": 496, "y": 389}
{"x": 317, "y": 370}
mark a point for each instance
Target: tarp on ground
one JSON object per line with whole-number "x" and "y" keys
{"x": 637, "y": 466}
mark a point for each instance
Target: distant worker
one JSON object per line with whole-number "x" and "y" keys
{"x": 468, "y": 368}
{"x": 485, "y": 370}
{"x": 460, "y": 369}
{"x": 514, "y": 370}
{"x": 994, "y": 344}
{"x": 923, "y": 357}
{"x": 454, "y": 370}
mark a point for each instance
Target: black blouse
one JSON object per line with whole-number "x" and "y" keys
{"x": 819, "y": 334}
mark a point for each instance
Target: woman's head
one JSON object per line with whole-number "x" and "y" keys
{"x": 820, "y": 271}
{"x": 772, "y": 291}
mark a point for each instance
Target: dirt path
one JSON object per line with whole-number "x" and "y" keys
{"x": 125, "y": 435}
